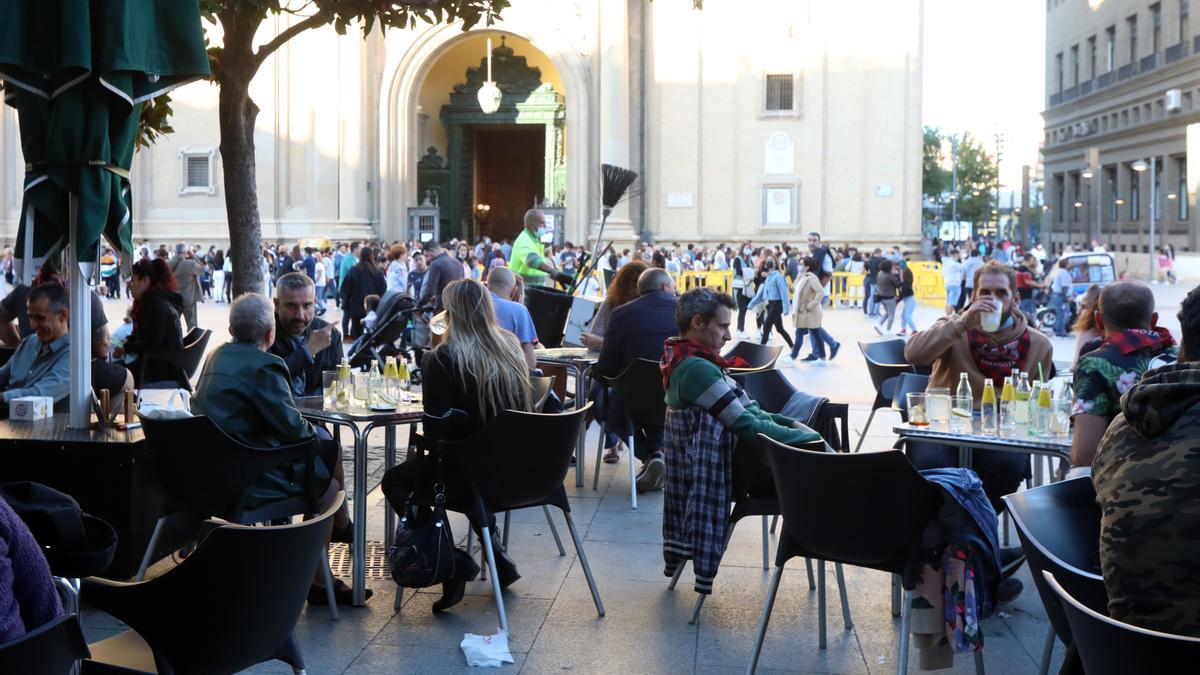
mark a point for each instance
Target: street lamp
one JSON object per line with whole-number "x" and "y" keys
{"x": 489, "y": 94}
{"x": 1140, "y": 166}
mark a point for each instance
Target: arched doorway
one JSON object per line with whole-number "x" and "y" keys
{"x": 409, "y": 127}
{"x": 491, "y": 167}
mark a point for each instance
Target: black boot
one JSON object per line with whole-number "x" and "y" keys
{"x": 465, "y": 569}
{"x": 506, "y": 569}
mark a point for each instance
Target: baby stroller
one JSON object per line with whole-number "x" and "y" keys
{"x": 391, "y": 317}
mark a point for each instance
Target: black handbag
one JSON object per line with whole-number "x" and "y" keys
{"x": 423, "y": 552}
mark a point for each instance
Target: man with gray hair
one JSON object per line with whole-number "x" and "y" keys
{"x": 308, "y": 345}
{"x": 246, "y": 392}
{"x": 512, "y": 316}
{"x": 529, "y": 257}
{"x": 187, "y": 272}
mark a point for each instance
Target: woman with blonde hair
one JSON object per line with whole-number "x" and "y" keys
{"x": 477, "y": 372}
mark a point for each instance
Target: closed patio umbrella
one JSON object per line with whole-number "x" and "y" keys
{"x": 77, "y": 72}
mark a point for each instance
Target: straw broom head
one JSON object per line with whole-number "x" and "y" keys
{"x": 615, "y": 182}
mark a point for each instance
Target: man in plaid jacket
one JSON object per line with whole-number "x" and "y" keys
{"x": 707, "y": 415}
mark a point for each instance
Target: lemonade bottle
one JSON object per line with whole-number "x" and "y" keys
{"x": 347, "y": 384}
{"x": 404, "y": 377}
{"x": 1044, "y": 409}
{"x": 391, "y": 381}
{"x": 987, "y": 408}
{"x": 1021, "y": 409}
{"x": 1008, "y": 405}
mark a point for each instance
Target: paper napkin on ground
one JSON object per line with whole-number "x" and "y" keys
{"x": 486, "y": 650}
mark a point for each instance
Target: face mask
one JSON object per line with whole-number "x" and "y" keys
{"x": 544, "y": 232}
{"x": 746, "y": 251}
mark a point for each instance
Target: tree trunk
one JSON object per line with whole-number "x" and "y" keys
{"x": 237, "y": 116}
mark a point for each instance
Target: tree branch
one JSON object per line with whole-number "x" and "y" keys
{"x": 292, "y": 31}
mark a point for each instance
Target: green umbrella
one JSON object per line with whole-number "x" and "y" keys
{"x": 77, "y": 72}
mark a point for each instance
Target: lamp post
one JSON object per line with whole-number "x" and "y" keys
{"x": 1140, "y": 166}
{"x": 1093, "y": 229}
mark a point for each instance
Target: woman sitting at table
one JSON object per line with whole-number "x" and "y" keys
{"x": 156, "y": 308}
{"x": 623, "y": 289}
{"x": 475, "y": 373}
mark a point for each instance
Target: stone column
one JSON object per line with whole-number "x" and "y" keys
{"x": 614, "y": 105}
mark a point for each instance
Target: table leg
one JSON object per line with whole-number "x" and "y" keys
{"x": 580, "y": 400}
{"x": 359, "y": 556}
{"x": 389, "y": 460}
{"x": 964, "y": 457}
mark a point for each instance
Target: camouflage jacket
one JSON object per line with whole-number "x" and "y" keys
{"x": 1147, "y": 478}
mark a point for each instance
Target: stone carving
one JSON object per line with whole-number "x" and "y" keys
{"x": 512, "y": 73}
{"x": 431, "y": 160}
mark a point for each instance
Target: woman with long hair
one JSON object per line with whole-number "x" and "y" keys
{"x": 364, "y": 279}
{"x": 480, "y": 370}
{"x": 157, "y": 305}
{"x": 611, "y": 418}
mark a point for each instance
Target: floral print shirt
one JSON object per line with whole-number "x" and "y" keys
{"x": 1104, "y": 375}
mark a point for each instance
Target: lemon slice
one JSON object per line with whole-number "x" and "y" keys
{"x": 960, "y": 412}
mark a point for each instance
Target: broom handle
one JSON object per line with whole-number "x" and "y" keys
{"x": 596, "y": 251}
{"x": 584, "y": 273}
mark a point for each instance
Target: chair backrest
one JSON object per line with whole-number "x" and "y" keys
{"x": 520, "y": 458}
{"x": 885, "y": 360}
{"x": 758, "y": 357}
{"x": 542, "y": 386}
{"x": 1107, "y": 646}
{"x": 193, "y": 351}
{"x": 235, "y": 600}
{"x": 907, "y": 383}
{"x": 1059, "y": 528}
{"x": 769, "y": 388}
{"x": 205, "y": 471}
{"x": 866, "y": 509}
{"x": 641, "y": 389}
{"x": 49, "y": 649}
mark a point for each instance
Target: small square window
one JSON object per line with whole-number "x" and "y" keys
{"x": 780, "y": 93}
{"x": 197, "y": 172}
{"x": 199, "y": 175}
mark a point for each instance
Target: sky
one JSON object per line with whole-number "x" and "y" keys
{"x": 984, "y": 72}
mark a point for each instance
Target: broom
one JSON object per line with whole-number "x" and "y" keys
{"x": 614, "y": 182}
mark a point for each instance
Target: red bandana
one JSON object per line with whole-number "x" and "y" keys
{"x": 997, "y": 359}
{"x": 675, "y": 350}
{"x": 1138, "y": 339}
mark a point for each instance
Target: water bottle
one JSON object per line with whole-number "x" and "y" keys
{"x": 964, "y": 387}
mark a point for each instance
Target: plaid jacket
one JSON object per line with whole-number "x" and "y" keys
{"x": 699, "y": 482}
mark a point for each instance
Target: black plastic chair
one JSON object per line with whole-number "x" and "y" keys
{"x": 1059, "y": 528}
{"x": 186, "y": 360}
{"x": 640, "y": 387}
{"x": 50, "y": 649}
{"x": 519, "y": 461}
{"x": 231, "y": 604}
{"x": 1110, "y": 647}
{"x": 772, "y": 391}
{"x": 206, "y": 473}
{"x": 758, "y": 357}
{"x": 863, "y": 509}
{"x": 907, "y": 383}
{"x": 885, "y": 361}
{"x": 542, "y": 386}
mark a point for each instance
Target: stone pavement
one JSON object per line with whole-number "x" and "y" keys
{"x": 554, "y": 624}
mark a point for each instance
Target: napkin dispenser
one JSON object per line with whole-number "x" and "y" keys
{"x": 30, "y": 408}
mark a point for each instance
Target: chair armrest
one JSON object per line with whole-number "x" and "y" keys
{"x": 131, "y": 603}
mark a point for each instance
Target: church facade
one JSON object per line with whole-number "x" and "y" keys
{"x": 753, "y": 121}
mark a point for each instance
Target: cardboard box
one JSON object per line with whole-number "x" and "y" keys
{"x": 30, "y": 408}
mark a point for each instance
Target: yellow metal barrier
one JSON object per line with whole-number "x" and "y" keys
{"x": 721, "y": 280}
{"x": 846, "y": 288}
{"x": 928, "y": 286}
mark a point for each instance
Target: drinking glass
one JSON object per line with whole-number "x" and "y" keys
{"x": 961, "y": 420}
{"x": 938, "y": 411}
{"x": 362, "y": 388}
{"x": 331, "y": 386}
{"x": 1059, "y": 422}
{"x": 918, "y": 407}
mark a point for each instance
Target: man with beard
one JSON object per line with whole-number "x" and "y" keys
{"x": 308, "y": 345}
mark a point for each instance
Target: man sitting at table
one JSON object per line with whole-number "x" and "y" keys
{"x": 637, "y": 330}
{"x": 697, "y": 378}
{"x": 247, "y": 393}
{"x": 510, "y": 315}
{"x": 1132, "y": 345}
{"x": 1147, "y": 473}
{"x": 41, "y": 364}
{"x": 308, "y": 345}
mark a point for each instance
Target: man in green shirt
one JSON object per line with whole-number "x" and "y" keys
{"x": 529, "y": 255}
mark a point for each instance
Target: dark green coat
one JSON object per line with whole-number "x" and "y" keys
{"x": 246, "y": 393}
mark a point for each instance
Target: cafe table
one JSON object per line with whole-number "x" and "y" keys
{"x": 361, "y": 421}
{"x": 578, "y": 361}
{"x": 1018, "y": 440}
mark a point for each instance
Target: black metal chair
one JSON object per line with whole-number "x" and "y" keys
{"x": 50, "y": 649}
{"x": 231, "y": 604}
{"x": 1059, "y": 528}
{"x": 519, "y": 461}
{"x": 885, "y": 361}
{"x": 907, "y": 383}
{"x": 863, "y": 509}
{"x": 186, "y": 360}
{"x": 640, "y": 388}
{"x": 1110, "y": 647}
{"x": 758, "y": 357}
{"x": 206, "y": 473}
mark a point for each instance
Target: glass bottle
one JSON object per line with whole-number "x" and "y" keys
{"x": 964, "y": 387}
{"x": 346, "y": 390}
{"x": 1008, "y": 405}
{"x": 1045, "y": 408}
{"x": 374, "y": 384}
{"x": 987, "y": 408}
{"x": 391, "y": 381}
{"x": 404, "y": 377}
{"x": 1021, "y": 410}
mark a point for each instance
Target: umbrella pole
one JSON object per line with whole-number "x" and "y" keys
{"x": 80, "y": 327}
